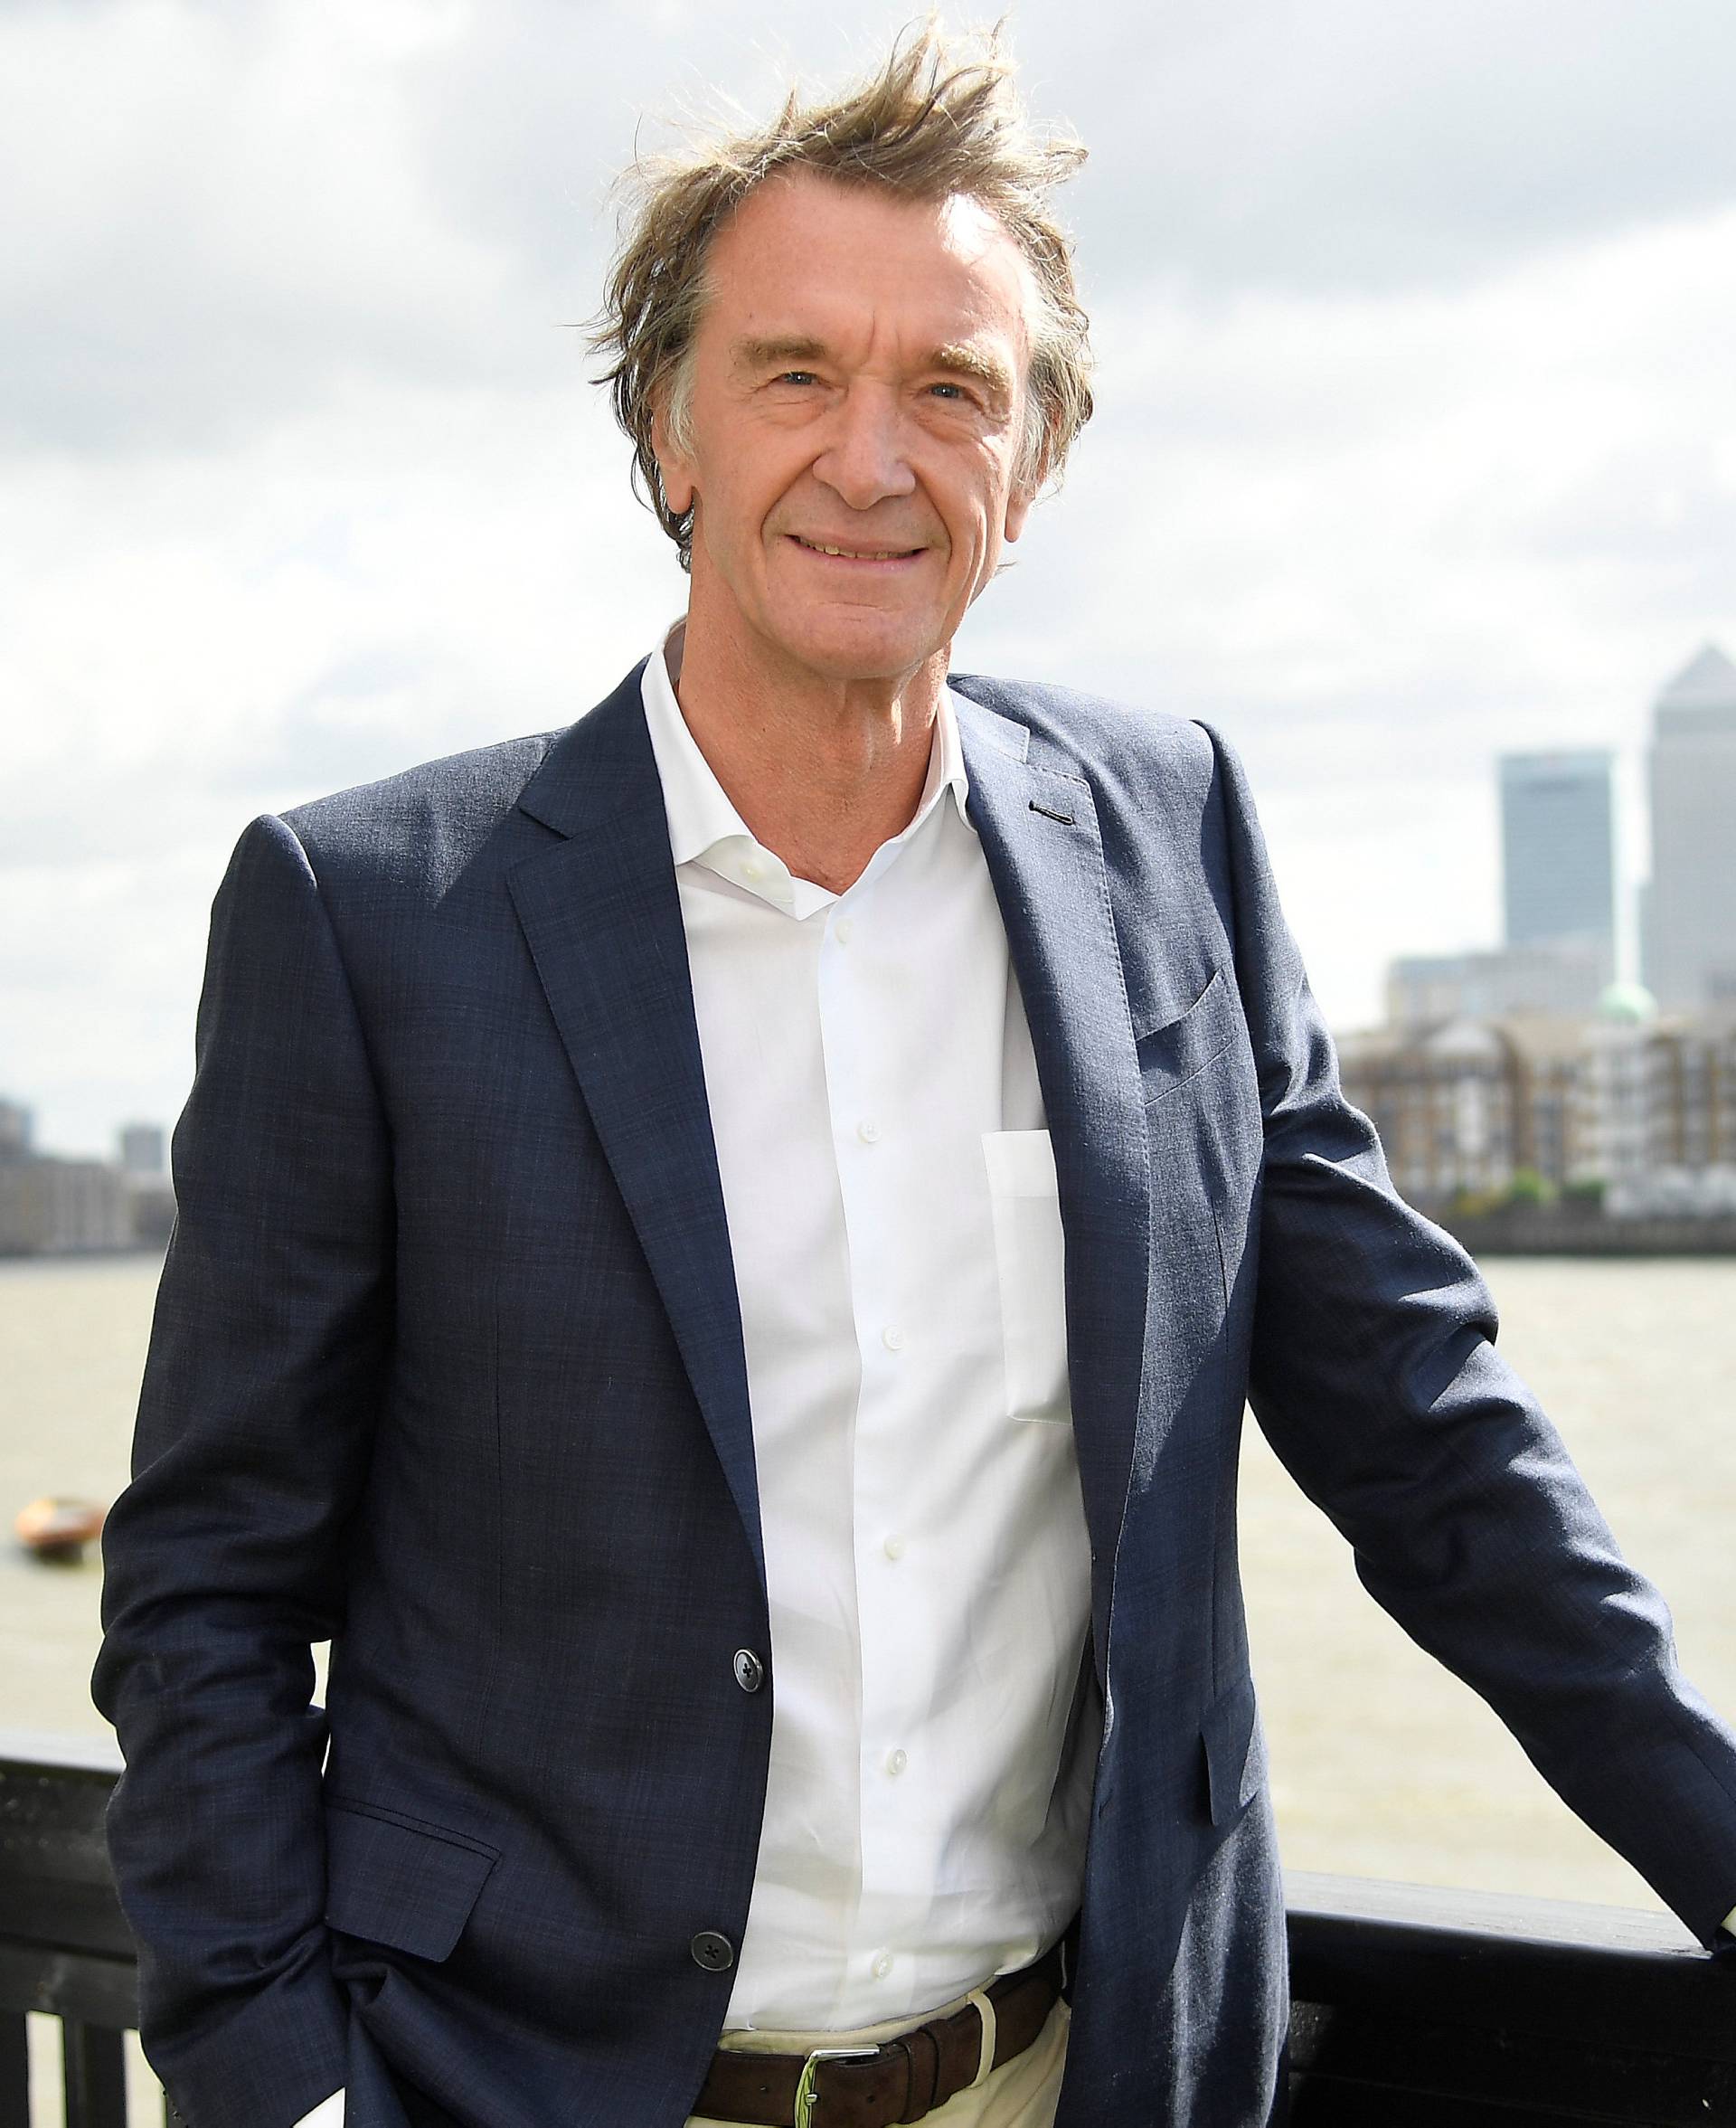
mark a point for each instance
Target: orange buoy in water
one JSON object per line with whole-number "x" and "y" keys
{"x": 59, "y": 1528}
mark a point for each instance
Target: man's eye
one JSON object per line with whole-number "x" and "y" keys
{"x": 796, "y": 377}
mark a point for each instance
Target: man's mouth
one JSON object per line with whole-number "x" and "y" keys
{"x": 817, "y": 547}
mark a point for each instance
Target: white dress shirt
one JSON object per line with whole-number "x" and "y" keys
{"x": 896, "y": 1234}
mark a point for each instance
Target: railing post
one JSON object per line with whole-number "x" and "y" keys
{"x": 96, "y": 2077}
{"x": 15, "y": 2070}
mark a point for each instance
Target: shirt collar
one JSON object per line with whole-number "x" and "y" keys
{"x": 704, "y": 827}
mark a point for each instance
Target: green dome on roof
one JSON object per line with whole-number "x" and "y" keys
{"x": 1630, "y": 1004}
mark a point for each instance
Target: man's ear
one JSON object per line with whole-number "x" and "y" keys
{"x": 674, "y": 469}
{"x": 1026, "y": 487}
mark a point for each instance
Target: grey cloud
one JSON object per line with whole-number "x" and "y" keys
{"x": 324, "y": 738}
{"x": 1367, "y": 143}
{"x": 206, "y": 242}
{"x": 1382, "y": 144}
{"x": 197, "y": 262}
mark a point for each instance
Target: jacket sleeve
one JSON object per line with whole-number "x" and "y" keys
{"x": 1374, "y": 1375}
{"x": 224, "y": 1557}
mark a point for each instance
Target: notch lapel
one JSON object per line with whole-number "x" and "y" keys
{"x": 602, "y": 914}
{"x": 1039, "y": 836}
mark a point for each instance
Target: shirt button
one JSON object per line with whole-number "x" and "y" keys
{"x": 896, "y": 1762}
{"x": 883, "y": 1965}
{"x": 842, "y": 929}
{"x": 892, "y": 1338}
{"x": 716, "y": 1954}
{"x": 895, "y": 1547}
{"x": 868, "y": 1130}
{"x": 751, "y": 868}
{"x": 749, "y": 1671}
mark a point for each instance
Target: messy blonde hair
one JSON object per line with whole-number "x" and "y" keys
{"x": 940, "y": 119}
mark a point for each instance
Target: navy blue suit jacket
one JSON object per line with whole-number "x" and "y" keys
{"x": 448, "y": 1368}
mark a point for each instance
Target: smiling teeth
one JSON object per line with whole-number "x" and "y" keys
{"x": 855, "y": 554}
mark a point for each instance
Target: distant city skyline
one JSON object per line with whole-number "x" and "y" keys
{"x": 1566, "y": 903}
{"x": 136, "y": 1146}
{"x": 56, "y": 1204}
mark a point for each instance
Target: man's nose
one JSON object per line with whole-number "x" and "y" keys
{"x": 864, "y": 459}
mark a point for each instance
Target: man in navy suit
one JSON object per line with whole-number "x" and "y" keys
{"x": 720, "y": 1256}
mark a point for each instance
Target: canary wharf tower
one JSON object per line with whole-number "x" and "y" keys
{"x": 1689, "y": 941}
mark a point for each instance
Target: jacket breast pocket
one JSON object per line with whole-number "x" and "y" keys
{"x": 1030, "y": 1263}
{"x": 391, "y": 1880}
{"x": 1178, "y": 1050}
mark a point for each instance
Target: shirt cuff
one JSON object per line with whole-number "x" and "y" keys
{"x": 327, "y": 2115}
{"x": 1728, "y": 1928}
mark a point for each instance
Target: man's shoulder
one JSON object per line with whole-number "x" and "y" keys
{"x": 427, "y": 822}
{"x": 411, "y": 839}
{"x": 1111, "y": 737}
{"x": 459, "y": 793}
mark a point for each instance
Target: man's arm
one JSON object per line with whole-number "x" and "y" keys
{"x": 224, "y": 1557}
{"x": 1374, "y": 1376}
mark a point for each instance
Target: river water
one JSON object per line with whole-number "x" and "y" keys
{"x": 1383, "y": 1766}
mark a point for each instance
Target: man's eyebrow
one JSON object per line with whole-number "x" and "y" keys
{"x": 754, "y": 353}
{"x": 983, "y": 368}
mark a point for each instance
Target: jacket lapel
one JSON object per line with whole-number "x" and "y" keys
{"x": 1039, "y": 836}
{"x": 602, "y": 916}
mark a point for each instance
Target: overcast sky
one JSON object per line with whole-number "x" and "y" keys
{"x": 1416, "y": 436}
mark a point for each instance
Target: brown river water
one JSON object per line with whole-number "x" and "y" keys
{"x": 1382, "y": 1765}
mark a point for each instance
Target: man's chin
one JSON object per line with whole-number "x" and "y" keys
{"x": 850, "y": 652}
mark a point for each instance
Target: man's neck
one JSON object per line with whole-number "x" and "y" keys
{"x": 821, "y": 772}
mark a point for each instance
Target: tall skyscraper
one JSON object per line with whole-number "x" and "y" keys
{"x": 14, "y": 1129}
{"x": 1558, "y": 854}
{"x": 1690, "y": 931}
{"x": 141, "y": 1148}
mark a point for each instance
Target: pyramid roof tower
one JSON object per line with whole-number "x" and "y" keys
{"x": 1706, "y": 682}
{"x": 1690, "y": 947}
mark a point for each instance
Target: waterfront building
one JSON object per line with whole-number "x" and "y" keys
{"x": 1561, "y": 980}
{"x": 1443, "y": 1101}
{"x": 1689, "y": 943}
{"x": 1558, "y": 854}
{"x": 1639, "y": 1107}
{"x": 50, "y": 1207}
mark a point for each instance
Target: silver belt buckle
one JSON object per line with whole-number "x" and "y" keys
{"x": 805, "y": 2095}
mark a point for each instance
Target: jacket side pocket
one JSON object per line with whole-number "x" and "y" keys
{"x": 390, "y": 1880}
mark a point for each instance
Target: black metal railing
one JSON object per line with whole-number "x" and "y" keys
{"x": 1411, "y": 2008}
{"x": 1414, "y": 2007}
{"x": 64, "y": 1948}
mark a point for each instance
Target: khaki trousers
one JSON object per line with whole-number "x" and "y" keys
{"x": 1021, "y": 2093}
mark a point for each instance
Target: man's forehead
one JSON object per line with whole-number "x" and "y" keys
{"x": 803, "y": 244}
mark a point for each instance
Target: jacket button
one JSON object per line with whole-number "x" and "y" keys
{"x": 749, "y": 1671}
{"x": 712, "y": 1950}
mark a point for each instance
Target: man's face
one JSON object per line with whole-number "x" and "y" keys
{"x": 858, "y": 386}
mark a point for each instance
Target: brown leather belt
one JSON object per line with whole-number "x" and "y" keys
{"x": 899, "y": 2080}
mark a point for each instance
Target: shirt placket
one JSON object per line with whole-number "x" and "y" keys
{"x": 866, "y": 1114}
